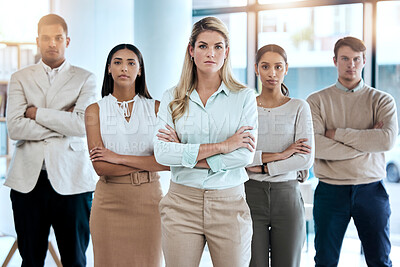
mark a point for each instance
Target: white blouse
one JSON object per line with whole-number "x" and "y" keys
{"x": 133, "y": 137}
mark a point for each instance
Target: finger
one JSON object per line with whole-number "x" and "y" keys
{"x": 170, "y": 128}
{"x": 301, "y": 140}
{"x": 164, "y": 131}
{"x": 244, "y": 128}
{"x": 252, "y": 143}
{"x": 249, "y": 147}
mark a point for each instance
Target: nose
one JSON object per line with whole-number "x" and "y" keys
{"x": 124, "y": 67}
{"x": 211, "y": 52}
{"x": 272, "y": 72}
{"x": 52, "y": 42}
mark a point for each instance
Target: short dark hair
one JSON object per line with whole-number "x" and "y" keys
{"x": 140, "y": 83}
{"x": 355, "y": 44}
{"x": 52, "y": 19}
{"x": 275, "y": 49}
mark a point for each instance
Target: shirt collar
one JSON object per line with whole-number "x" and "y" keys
{"x": 48, "y": 69}
{"x": 358, "y": 87}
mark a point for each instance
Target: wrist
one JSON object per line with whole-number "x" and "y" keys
{"x": 263, "y": 169}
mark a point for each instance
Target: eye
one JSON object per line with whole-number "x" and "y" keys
{"x": 45, "y": 38}
{"x": 218, "y": 47}
{"x": 59, "y": 38}
{"x": 117, "y": 62}
{"x": 279, "y": 67}
{"x": 202, "y": 46}
{"x": 264, "y": 67}
{"x": 132, "y": 63}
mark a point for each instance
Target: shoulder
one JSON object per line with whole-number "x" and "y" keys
{"x": 81, "y": 72}
{"x": 300, "y": 103}
{"x": 92, "y": 109}
{"x": 379, "y": 96}
{"x": 321, "y": 93}
{"x": 168, "y": 95}
{"x": 22, "y": 72}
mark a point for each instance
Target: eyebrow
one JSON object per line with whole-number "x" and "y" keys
{"x": 276, "y": 63}
{"x": 220, "y": 43}
{"x": 118, "y": 58}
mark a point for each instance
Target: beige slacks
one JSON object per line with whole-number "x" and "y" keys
{"x": 190, "y": 217}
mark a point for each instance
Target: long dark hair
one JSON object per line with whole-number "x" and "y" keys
{"x": 276, "y": 49}
{"x": 140, "y": 83}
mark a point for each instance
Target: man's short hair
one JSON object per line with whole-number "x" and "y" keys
{"x": 52, "y": 19}
{"x": 355, "y": 44}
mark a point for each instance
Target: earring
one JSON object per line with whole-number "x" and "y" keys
{"x": 191, "y": 58}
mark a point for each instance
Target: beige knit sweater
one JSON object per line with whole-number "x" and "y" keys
{"x": 355, "y": 156}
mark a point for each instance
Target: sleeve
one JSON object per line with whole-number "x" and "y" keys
{"x": 303, "y": 129}
{"x": 19, "y": 127}
{"x": 374, "y": 140}
{"x": 169, "y": 153}
{"x": 240, "y": 157}
{"x": 326, "y": 148}
{"x": 70, "y": 123}
{"x": 257, "y": 160}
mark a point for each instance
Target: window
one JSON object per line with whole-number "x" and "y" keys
{"x": 309, "y": 40}
{"x": 197, "y": 4}
{"x": 388, "y": 53}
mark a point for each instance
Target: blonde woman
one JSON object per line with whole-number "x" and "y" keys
{"x": 206, "y": 133}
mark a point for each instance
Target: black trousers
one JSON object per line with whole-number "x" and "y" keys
{"x": 36, "y": 211}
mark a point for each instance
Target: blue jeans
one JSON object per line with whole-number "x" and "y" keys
{"x": 368, "y": 205}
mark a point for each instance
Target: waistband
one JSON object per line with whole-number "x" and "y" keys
{"x": 198, "y": 192}
{"x": 286, "y": 184}
{"x": 134, "y": 178}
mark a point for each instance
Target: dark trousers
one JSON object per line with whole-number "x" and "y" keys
{"x": 368, "y": 205}
{"x": 36, "y": 211}
{"x": 277, "y": 210}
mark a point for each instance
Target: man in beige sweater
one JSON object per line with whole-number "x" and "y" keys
{"x": 353, "y": 125}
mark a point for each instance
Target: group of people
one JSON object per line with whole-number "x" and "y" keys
{"x": 236, "y": 160}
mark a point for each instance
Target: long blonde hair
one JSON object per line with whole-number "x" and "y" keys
{"x": 188, "y": 80}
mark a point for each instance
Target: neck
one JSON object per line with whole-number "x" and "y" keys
{"x": 271, "y": 97}
{"x": 54, "y": 65}
{"x": 349, "y": 84}
{"x": 124, "y": 93}
{"x": 208, "y": 82}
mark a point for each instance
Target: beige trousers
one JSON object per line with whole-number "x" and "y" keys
{"x": 190, "y": 217}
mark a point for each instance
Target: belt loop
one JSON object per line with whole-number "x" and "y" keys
{"x": 134, "y": 178}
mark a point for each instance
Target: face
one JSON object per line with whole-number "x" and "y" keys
{"x": 272, "y": 70}
{"x": 349, "y": 64}
{"x": 52, "y": 42}
{"x": 124, "y": 68}
{"x": 209, "y": 51}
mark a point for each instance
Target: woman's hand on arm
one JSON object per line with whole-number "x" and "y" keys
{"x": 299, "y": 146}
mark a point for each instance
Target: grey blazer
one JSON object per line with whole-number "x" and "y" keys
{"x": 56, "y": 136}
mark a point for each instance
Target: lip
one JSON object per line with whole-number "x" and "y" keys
{"x": 52, "y": 51}
{"x": 272, "y": 81}
{"x": 123, "y": 76}
{"x": 210, "y": 62}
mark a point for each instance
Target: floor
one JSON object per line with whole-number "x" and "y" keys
{"x": 350, "y": 255}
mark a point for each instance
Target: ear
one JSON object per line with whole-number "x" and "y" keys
{"x": 67, "y": 41}
{"x": 191, "y": 50}
{"x": 37, "y": 41}
{"x": 226, "y": 52}
{"x": 109, "y": 69}
{"x": 335, "y": 61}
{"x": 287, "y": 68}
{"x": 256, "y": 69}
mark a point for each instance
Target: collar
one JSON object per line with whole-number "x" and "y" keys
{"x": 48, "y": 69}
{"x": 355, "y": 89}
{"x": 221, "y": 88}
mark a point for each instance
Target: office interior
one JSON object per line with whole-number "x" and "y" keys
{"x": 306, "y": 29}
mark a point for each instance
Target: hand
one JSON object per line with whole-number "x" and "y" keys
{"x": 103, "y": 154}
{"x": 242, "y": 138}
{"x": 297, "y": 147}
{"x": 255, "y": 169}
{"x": 168, "y": 135}
{"x": 330, "y": 133}
{"x": 30, "y": 113}
{"x": 378, "y": 125}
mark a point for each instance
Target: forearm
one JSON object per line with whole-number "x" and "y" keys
{"x": 63, "y": 122}
{"x": 105, "y": 168}
{"x": 202, "y": 164}
{"x": 269, "y": 157}
{"x": 147, "y": 163}
{"x": 328, "y": 149}
{"x": 208, "y": 150}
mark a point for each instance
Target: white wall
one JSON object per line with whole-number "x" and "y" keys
{"x": 95, "y": 27}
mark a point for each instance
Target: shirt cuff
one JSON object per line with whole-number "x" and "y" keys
{"x": 257, "y": 160}
{"x": 190, "y": 153}
{"x": 215, "y": 162}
